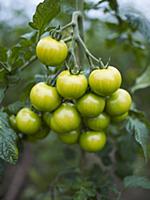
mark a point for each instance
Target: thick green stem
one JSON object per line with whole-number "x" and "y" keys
{"x": 79, "y": 7}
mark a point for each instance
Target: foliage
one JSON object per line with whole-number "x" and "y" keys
{"x": 8, "y": 139}
{"x": 86, "y": 176}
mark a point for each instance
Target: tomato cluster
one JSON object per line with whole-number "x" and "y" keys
{"x": 78, "y": 108}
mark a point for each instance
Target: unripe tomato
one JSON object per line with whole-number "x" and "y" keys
{"x": 46, "y": 118}
{"x": 105, "y": 81}
{"x": 13, "y": 122}
{"x": 51, "y": 52}
{"x": 120, "y": 118}
{"x": 90, "y": 105}
{"x": 92, "y": 141}
{"x": 71, "y": 86}
{"x": 27, "y": 121}
{"x": 41, "y": 134}
{"x": 70, "y": 138}
{"x": 44, "y": 97}
{"x": 65, "y": 119}
{"x": 98, "y": 123}
{"x": 118, "y": 103}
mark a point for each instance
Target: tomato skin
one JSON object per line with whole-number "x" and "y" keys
{"x": 27, "y": 121}
{"x": 118, "y": 103}
{"x": 65, "y": 119}
{"x": 41, "y": 134}
{"x": 90, "y": 105}
{"x": 70, "y": 138}
{"x": 120, "y": 118}
{"x": 92, "y": 141}
{"x": 105, "y": 81}
{"x": 51, "y": 52}
{"x": 13, "y": 123}
{"x": 98, "y": 123}
{"x": 71, "y": 86}
{"x": 46, "y": 118}
{"x": 44, "y": 97}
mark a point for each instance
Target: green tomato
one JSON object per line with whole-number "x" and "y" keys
{"x": 46, "y": 118}
{"x": 44, "y": 97}
{"x": 120, "y": 118}
{"x": 92, "y": 141}
{"x": 27, "y": 121}
{"x": 65, "y": 119}
{"x": 90, "y": 105}
{"x": 118, "y": 103}
{"x": 41, "y": 134}
{"x": 71, "y": 86}
{"x": 105, "y": 81}
{"x": 13, "y": 122}
{"x": 98, "y": 123}
{"x": 51, "y": 52}
{"x": 70, "y": 138}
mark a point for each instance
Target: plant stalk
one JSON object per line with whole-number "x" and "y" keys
{"x": 79, "y": 7}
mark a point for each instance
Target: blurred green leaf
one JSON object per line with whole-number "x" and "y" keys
{"x": 15, "y": 107}
{"x": 85, "y": 190}
{"x": 140, "y": 131}
{"x": 143, "y": 81}
{"x": 2, "y": 93}
{"x": 136, "y": 181}
{"x": 45, "y": 12}
{"x": 8, "y": 139}
{"x": 3, "y": 54}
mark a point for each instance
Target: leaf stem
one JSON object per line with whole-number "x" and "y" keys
{"x": 26, "y": 64}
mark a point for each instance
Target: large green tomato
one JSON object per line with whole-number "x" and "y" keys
{"x": 44, "y": 97}
{"x": 98, "y": 123}
{"x": 118, "y": 103}
{"x": 13, "y": 122}
{"x": 120, "y": 118}
{"x": 90, "y": 105}
{"x": 27, "y": 121}
{"x": 92, "y": 141}
{"x": 70, "y": 138}
{"x": 71, "y": 86}
{"x": 65, "y": 119}
{"x": 51, "y": 52}
{"x": 105, "y": 81}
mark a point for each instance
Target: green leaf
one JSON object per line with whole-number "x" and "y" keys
{"x": 143, "y": 81}
{"x": 2, "y": 93}
{"x": 141, "y": 132}
{"x": 85, "y": 190}
{"x": 23, "y": 51}
{"x": 15, "y": 107}
{"x": 3, "y": 54}
{"x": 8, "y": 140}
{"x": 45, "y": 12}
{"x": 136, "y": 181}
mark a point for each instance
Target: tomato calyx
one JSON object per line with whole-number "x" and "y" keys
{"x": 56, "y": 33}
{"x": 75, "y": 71}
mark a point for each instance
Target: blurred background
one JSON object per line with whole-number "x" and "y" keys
{"x": 125, "y": 40}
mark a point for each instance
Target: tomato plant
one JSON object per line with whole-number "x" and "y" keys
{"x": 54, "y": 90}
